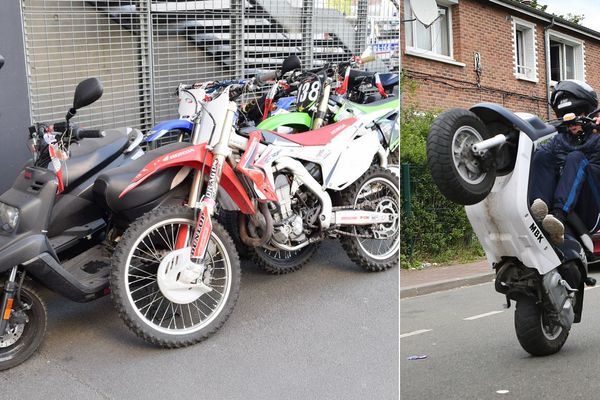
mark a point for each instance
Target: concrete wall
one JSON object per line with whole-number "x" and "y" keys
{"x": 487, "y": 28}
{"x": 14, "y": 105}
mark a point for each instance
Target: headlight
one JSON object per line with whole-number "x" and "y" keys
{"x": 9, "y": 216}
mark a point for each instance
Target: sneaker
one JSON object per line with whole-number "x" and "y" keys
{"x": 554, "y": 228}
{"x": 539, "y": 210}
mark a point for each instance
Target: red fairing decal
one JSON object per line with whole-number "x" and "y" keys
{"x": 344, "y": 88}
{"x": 201, "y": 234}
{"x": 193, "y": 157}
{"x": 318, "y": 137}
{"x": 257, "y": 175}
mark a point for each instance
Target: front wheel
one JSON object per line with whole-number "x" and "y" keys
{"x": 461, "y": 175}
{"x": 152, "y": 299}
{"x": 26, "y": 330}
{"x": 374, "y": 247}
{"x": 536, "y": 334}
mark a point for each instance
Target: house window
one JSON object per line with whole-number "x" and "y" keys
{"x": 435, "y": 39}
{"x": 524, "y": 50}
{"x": 566, "y": 58}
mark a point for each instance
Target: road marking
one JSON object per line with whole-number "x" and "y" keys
{"x": 482, "y": 315}
{"x": 414, "y": 333}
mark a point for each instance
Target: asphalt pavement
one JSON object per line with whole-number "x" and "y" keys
{"x": 328, "y": 331}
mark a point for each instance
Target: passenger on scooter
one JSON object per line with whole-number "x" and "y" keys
{"x": 566, "y": 170}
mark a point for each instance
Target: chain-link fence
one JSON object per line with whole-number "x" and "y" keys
{"x": 142, "y": 49}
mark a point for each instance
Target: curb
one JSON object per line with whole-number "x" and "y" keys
{"x": 413, "y": 291}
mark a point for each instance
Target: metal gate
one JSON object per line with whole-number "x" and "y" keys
{"x": 142, "y": 49}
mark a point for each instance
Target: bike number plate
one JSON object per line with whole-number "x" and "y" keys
{"x": 309, "y": 92}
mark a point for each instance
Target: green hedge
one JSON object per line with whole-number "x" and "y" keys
{"x": 436, "y": 230}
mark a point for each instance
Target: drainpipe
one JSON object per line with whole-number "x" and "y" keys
{"x": 547, "y": 57}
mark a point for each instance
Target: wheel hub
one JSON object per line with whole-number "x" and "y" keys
{"x": 465, "y": 161}
{"x": 386, "y": 230}
{"x": 182, "y": 280}
{"x": 12, "y": 336}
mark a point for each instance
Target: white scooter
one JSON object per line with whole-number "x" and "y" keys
{"x": 481, "y": 158}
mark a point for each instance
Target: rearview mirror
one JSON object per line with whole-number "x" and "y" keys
{"x": 87, "y": 92}
{"x": 1, "y": 61}
{"x": 290, "y": 63}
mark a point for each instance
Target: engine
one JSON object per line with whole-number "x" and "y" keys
{"x": 295, "y": 214}
{"x": 559, "y": 293}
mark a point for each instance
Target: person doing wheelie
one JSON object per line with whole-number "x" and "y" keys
{"x": 566, "y": 170}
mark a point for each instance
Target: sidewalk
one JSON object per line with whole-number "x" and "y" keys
{"x": 433, "y": 279}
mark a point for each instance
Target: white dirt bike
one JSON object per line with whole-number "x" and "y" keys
{"x": 481, "y": 158}
{"x": 176, "y": 272}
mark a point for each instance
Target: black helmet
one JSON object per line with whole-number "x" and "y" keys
{"x": 572, "y": 96}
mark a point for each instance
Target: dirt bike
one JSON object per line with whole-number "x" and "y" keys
{"x": 176, "y": 273}
{"x": 481, "y": 158}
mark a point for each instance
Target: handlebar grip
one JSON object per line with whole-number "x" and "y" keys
{"x": 367, "y": 59}
{"x": 89, "y": 133}
{"x": 266, "y": 76}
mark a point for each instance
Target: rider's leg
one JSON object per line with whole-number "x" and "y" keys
{"x": 544, "y": 174}
{"x": 571, "y": 180}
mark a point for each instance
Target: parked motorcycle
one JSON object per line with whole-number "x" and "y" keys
{"x": 481, "y": 158}
{"x": 56, "y": 229}
{"x": 176, "y": 273}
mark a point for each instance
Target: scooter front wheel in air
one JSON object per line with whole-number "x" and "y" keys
{"x": 161, "y": 304}
{"x": 460, "y": 174}
{"x": 26, "y": 328}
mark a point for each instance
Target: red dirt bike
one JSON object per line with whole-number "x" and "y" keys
{"x": 176, "y": 272}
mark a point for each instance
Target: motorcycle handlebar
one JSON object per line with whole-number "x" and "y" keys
{"x": 266, "y": 76}
{"x": 88, "y": 133}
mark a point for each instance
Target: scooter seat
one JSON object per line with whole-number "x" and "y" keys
{"x": 90, "y": 154}
{"x": 389, "y": 79}
{"x": 111, "y": 184}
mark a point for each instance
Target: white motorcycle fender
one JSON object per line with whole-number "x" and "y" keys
{"x": 502, "y": 221}
{"x": 354, "y": 160}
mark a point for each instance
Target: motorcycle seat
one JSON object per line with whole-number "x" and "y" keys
{"x": 391, "y": 102}
{"x": 389, "y": 79}
{"x": 317, "y": 137}
{"x": 111, "y": 184}
{"x": 89, "y": 154}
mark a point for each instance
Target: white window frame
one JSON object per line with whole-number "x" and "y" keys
{"x": 430, "y": 54}
{"x": 527, "y": 70}
{"x": 578, "y": 54}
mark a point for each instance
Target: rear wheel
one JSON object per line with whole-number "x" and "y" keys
{"x": 279, "y": 262}
{"x": 26, "y": 330}
{"x": 460, "y": 175}
{"x": 153, "y": 301}
{"x": 374, "y": 247}
{"x": 536, "y": 334}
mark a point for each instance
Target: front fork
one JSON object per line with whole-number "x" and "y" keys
{"x": 8, "y": 296}
{"x": 206, "y": 207}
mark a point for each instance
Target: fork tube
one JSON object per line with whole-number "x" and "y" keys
{"x": 8, "y": 295}
{"x": 322, "y": 110}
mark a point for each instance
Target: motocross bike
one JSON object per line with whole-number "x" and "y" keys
{"x": 481, "y": 158}
{"x": 176, "y": 273}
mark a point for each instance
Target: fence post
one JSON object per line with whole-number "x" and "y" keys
{"x": 406, "y": 196}
{"x": 237, "y": 37}
{"x": 307, "y": 28}
{"x": 360, "y": 39}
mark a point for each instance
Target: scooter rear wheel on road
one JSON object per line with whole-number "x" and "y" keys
{"x": 460, "y": 174}
{"x": 27, "y": 327}
{"x": 153, "y": 302}
{"x": 536, "y": 335}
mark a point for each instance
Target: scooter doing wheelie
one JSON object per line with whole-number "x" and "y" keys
{"x": 481, "y": 158}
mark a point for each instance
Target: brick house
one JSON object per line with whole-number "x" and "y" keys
{"x": 496, "y": 51}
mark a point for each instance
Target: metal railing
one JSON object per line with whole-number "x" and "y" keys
{"x": 142, "y": 49}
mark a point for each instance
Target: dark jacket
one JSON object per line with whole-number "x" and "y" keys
{"x": 564, "y": 143}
